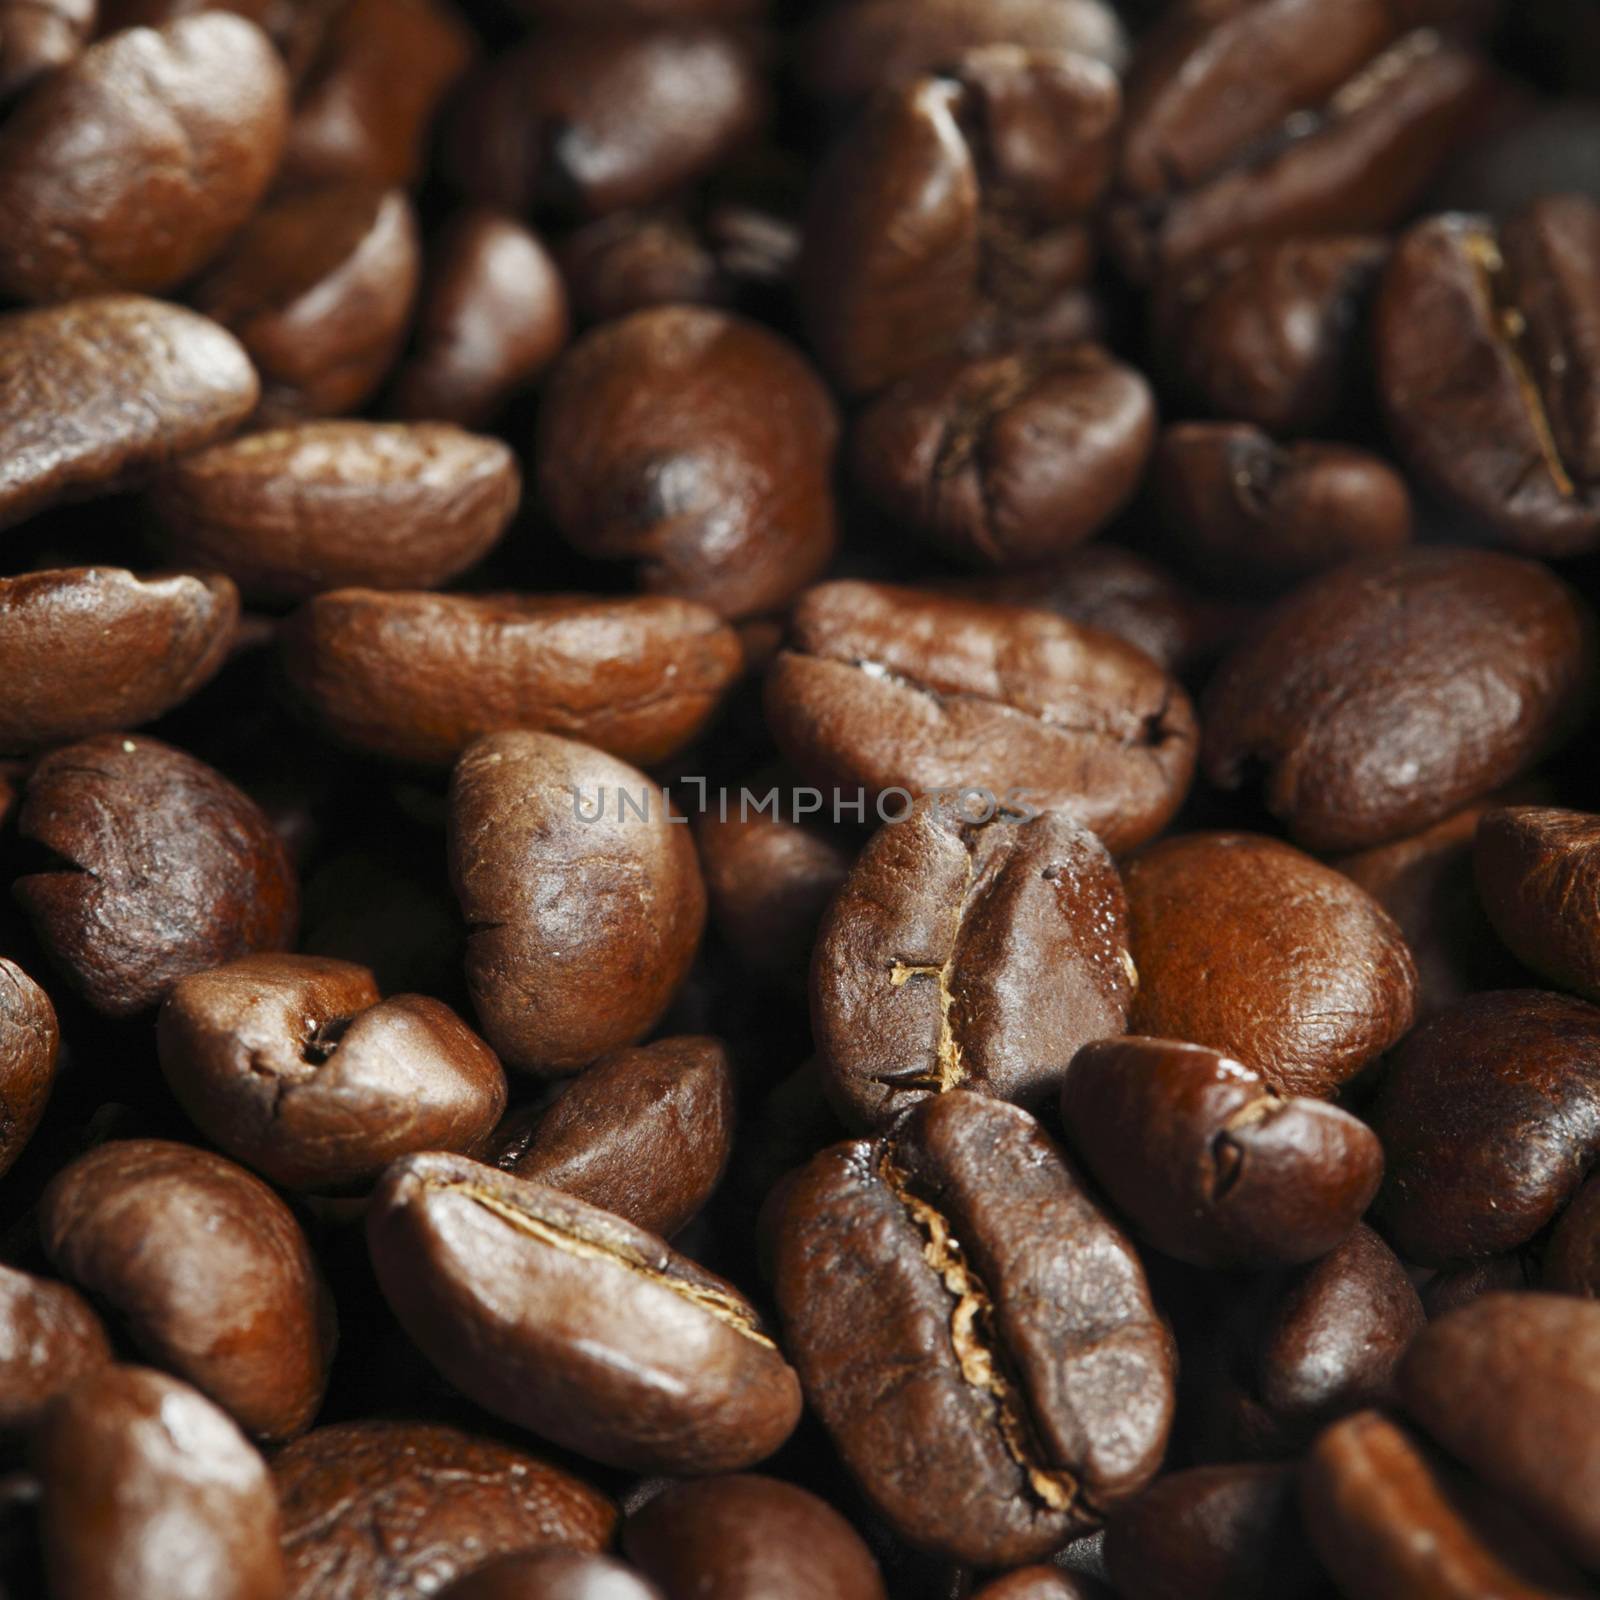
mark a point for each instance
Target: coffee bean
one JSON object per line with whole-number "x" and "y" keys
{"x": 1207, "y": 1163}
{"x": 740, "y": 1537}
{"x": 1384, "y": 695}
{"x": 552, "y": 1575}
{"x": 98, "y": 391}
{"x": 1009, "y": 460}
{"x": 207, "y": 1268}
{"x": 49, "y": 1339}
{"x": 396, "y": 1510}
{"x": 698, "y": 446}
{"x": 133, "y": 164}
{"x": 583, "y": 916}
{"x": 36, "y": 39}
{"x": 1246, "y": 945}
{"x": 568, "y": 1320}
{"x": 1489, "y": 1115}
{"x": 892, "y": 688}
{"x": 974, "y": 1333}
{"x": 296, "y": 27}
{"x": 971, "y": 955}
{"x": 1487, "y": 359}
{"x": 417, "y": 677}
{"x": 30, "y": 1042}
{"x": 1040, "y": 1583}
{"x": 149, "y": 1489}
{"x": 644, "y": 1133}
{"x": 152, "y": 866}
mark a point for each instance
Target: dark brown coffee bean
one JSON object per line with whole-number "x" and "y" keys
{"x": 595, "y": 116}
{"x": 1264, "y": 333}
{"x": 1207, "y": 1163}
{"x": 208, "y": 1269}
{"x": 149, "y": 1489}
{"x": 974, "y": 1333}
{"x": 1488, "y": 355}
{"x": 552, "y": 1575}
{"x": 133, "y": 165}
{"x": 1489, "y": 1117}
{"x": 698, "y": 446}
{"x": 295, "y": 1066}
{"x": 891, "y": 688}
{"x": 155, "y": 867}
{"x": 1341, "y": 133}
{"x": 1243, "y": 510}
{"x": 319, "y": 286}
{"x": 37, "y": 37}
{"x": 1011, "y": 459}
{"x": 581, "y": 893}
{"x": 1392, "y": 691}
{"x": 1538, "y": 873}
{"x": 418, "y": 677}
{"x": 955, "y": 215}
{"x": 644, "y": 1133}
{"x": 49, "y": 1339}
{"x": 396, "y": 1510}
{"x": 1571, "y": 1263}
{"x": 968, "y": 954}
{"x": 98, "y": 391}
{"x": 299, "y": 510}
{"x": 88, "y": 649}
{"x": 565, "y": 1319}
{"x": 30, "y": 1043}
{"x": 742, "y": 1537}
{"x": 493, "y": 317}
{"x": 1248, "y": 946}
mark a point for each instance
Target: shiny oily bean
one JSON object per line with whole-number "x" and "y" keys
{"x": 208, "y": 1270}
{"x": 37, "y": 37}
{"x": 417, "y": 677}
{"x": 1571, "y": 1263}
{"x": 644, "y": 1133}
{"x": 885, "y": 688}
{"x": 294, "y": 511}
{"x": 101, "y": 390}
{"x": 30, "y": 1045}
{"x": 149, "y": 1489}
{"x": 974, "y": 1333}
{"x": 49, "y": 1339}
{"x": 971, "y": 956}
{"x": 565, "y": 1319}
{"x": 381, "y": 1510}
{"x": 1380, "y": 697}
{"x": 1207, "y": 1163}
{"x": 552, "y": 1575}
{"x": 1248, "y": 946}
{"x": 1511, "y": 1070}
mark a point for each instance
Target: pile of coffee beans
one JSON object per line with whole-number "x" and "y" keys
{"x": 798, "y": 799}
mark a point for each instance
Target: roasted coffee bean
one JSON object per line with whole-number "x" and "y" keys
{"x": 1391, "y": 1521}
{"x": 595, "y": 116}
{"x": 956, "y": 214}
{"x": 1040, "y": 1583}
{"x": 974, "y": 1333}
{"x": 1488, "y": 359}
{"x": 153, "y": 866}
{"x": 299, "y": 510}
{"x": 149, "y": 1489}
{"x": 49, "y": 1339}
{"x": 644, "y": 1133}
{"x": 98, "y": 391}
{"x": 1011, "y": 459}
{"x": 565, "y": 1319}
{"x": 295, "y": 1066}
{"x": 896, "y": 689}
{"x": 698, "y": 446}
{"x": 417, "y": 677}
{"x": 581, "y": 893}
{"x": 742, "y": 1537}
{"x": 1284, "y": 117}
{"x": 30, "y": 1043}
{"x": 1264, "y": 333}
{"x": 1489, "y": 1116}
{"x": 1214, "y": 1533}
{"x": 1246, "y": 945}
{"x": 1390, "y": 692}
{"x": 37, "y": 37}
{"x": 133, "y": 165}
{"x": 396, "y": 1510}
{"x": 968, "y": 954}
{"x": 1207, "y": 1163}
{"x": 1266, "y": 515}
{"x": 552, "y": 1575}
{"x": 89, "y": 649}
{"x": 631, "y": 260}
{"x": 493, "y": 317}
